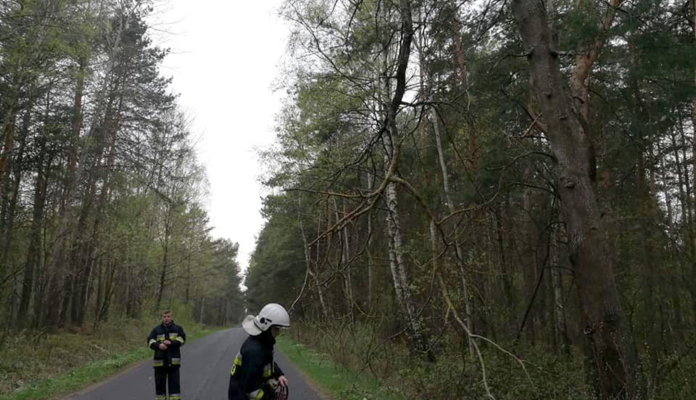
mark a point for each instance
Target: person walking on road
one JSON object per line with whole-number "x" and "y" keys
{"x": 254, "y": 374}
{"x": 166, "y": 340}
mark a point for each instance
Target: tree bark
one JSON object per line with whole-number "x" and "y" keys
{"x": 391, "y": 141}
{"x": 34, "y": 258}
{"x": 691, "y": 222}
{"x": 15, "y": 170}
{"x": 687, "y": 233}
{"x": 9, "y": 212}
{"x": 527, "y": 247}
{"x": 368, "y": 245}
{"x": 614, "y": 361}
{"x": 165, "y": 258}
{"x": 461, "y": 79}
{"x": 8, "y": 140}
{"x": 693, "y": 122}
{"x": 673, "y": 280}
{"x": 561, "y": 331}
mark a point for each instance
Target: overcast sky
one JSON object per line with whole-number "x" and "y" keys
{"x": 225, "y": 59}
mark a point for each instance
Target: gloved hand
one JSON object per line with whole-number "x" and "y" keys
{"x": 275, "y": 390}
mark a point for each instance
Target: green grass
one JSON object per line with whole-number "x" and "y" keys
{"x": 340, "y": 383}
{"x": 80, "y": 376}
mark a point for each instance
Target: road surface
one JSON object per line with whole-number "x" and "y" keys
{"x": 205, "y": 373}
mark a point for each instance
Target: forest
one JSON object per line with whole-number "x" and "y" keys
{"x": 490, "y": 199}
{"x": 101, "y": 195}
{"x": 467, "y": 199}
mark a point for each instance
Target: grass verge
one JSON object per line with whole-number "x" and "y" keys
{"x": 339, "y": 382}
{"x": 83, "y": 375}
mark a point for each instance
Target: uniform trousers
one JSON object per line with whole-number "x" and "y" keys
{"x": 167, "y": 377}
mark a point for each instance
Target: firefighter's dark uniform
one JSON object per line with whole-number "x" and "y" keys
{"x": 252, "y": 367}
{"x": 167, "y": 362}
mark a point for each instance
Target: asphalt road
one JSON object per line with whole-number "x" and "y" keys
{"x": 205, "y": 373}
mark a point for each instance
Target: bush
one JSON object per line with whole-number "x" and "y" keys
{"x": 366, "y": 349}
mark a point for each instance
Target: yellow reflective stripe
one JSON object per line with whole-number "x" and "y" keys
{"x": 176, "y": 361}
{"x": 161, "y": 398}
{"x": 256, "y": 394}
{"x": 175, "y": 396}
{"x": 173, "y": 335}
{"x": 267, "y": 371}
{"x": 237, "y": 362}
{"x": 160, "y": 338}
{"x": 158, "y": 363}
{"x": 151, "y": 342}
{"x": 180, "y": 339}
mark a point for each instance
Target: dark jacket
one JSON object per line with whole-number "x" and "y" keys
{"x": 252, "y": 367}
{"x": 172, "y": 356}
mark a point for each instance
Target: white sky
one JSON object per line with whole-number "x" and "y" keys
{"x": 225, "y": 57}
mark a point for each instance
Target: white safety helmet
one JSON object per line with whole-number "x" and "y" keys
{"x": 271, "y": 314}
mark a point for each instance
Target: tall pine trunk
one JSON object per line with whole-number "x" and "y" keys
{"x": 614, "y": 361}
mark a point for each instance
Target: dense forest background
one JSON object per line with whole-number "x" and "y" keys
{"x": 101, "y": 195}
{"x": 490, "y": 199}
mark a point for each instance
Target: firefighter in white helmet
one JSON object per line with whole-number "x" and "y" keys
{"x": 254, "y": 372}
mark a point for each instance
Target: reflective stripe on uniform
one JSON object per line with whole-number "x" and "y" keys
{"x": 161, "y": 398}
{"x": 256, "y": 394}
{"x": 237, "y": 362}
{"x": 176, "y": 361}
{"x": 267, "y": 371}
{"x": 157, "y": 363}
{"x": 151, "y": 342}
{"x": 180, "y": 339}
{"x": 160, "y": 338}
{"x": 175, "y": 396}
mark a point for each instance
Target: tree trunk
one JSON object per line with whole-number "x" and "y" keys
{"x": 527, "y": 243}
{"x": 693, "y": 127}
{"x": 368, "y": 245}
{"x": 687, "y": 233}
{"x": 69, "y": 191}
{"x": 165, "y": 256}
{"x": 88, "y": 254}
{"x": 34, "y": 258}
{"x": 308, "y": 263}
{"x": 391, "y": 141}
{"x": 16, "y": 168}
{"x": 689, "y": 194}
{"x": 345, "y": 262}
{"x": 8, "y": 132}
{"x": 561, "y": 331}
{"x": 461, "y": 78}
{"x": 457, "y": 246}
{"x": 651, "y": 249}
{"x": 614, "y": 361}
{"x": 402, "y": 285}
{"x": 693, "y": 198}
{"x": 398, "y": 270}
{"x": 673, "y": 279}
